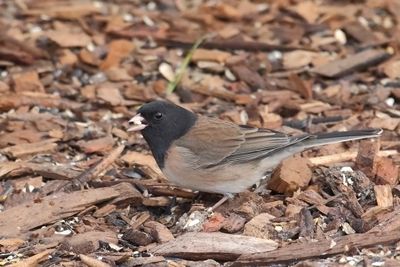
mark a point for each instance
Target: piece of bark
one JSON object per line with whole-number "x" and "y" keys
{"x": 133, "y": 157}
{"x": 387, "y": 172}
{"x": 383, "y": 194}
{"x": 117, "y": 50}
{"x": 13, "y": 101}
{"x": 159, "y": 231}
{"x": 366, "y": 157}
{"x": 306, "y": 224}
{"x": 146, "y": 261}
{"x": 104, "y": 211}
{"x": 102, "y": 144}
{"x": 392, "y": 69}
{"x": 321, "y": 249}
{"x": 47, "y": 170}
{"x": 22, "y": 218}
{"x": 68, "y": 39}
{"x": 11, "y": 244}
{"x": 387, "y": 123}
{"x": 18, "y": 51}
{"x": 297, "y": 59}
{"x": 292, "y": 210}
{"x": 210, "y": 55}
{"x": 88, "y": 242}
{"x": 233, "y": 223}
{"x": 29, "y": 183}
{"x": 351, "y": 63}
{"x": 363, "y": 35}
{"x": 63, "y": 10}
{"x": 292, "y": 174}
{"x": 92, "y": 262}
{"x": 214, "y": 92}
{"x": 157, "y": 201}
{"x": 250, "y": 77}
{"x": 217, "y": 246}
{"x": 138, "y": 238}
{"x": 260, "y": 226}
{"x": 129, "y": 195}
{"x": 30, "y": 148}
{"x": 388, "y": 222}
{"x": 27, "y": 81}
{"x": 139, "y": 219}
{"x": 301, "y": 86}
{"x": 214, "y": 223}
{"x": 34, "y": 260}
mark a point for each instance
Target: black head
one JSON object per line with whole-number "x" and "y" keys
{"x": 161, "y": 123}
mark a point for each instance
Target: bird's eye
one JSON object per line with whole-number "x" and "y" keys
{"x": 158, "y": 116}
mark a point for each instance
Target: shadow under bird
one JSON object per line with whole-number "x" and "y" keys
{"x": 212, "y": 155}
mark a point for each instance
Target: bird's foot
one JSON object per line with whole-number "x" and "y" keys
{"x": 220, "y": 202}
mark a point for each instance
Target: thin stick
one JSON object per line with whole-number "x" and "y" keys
{"x": 346, "y": 156}
{"x": 96, "y": 170}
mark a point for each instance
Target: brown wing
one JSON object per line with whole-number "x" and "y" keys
{"x": 212, "y": 140}
{"x": 216, "y": 141}
{"x": 260, "y": 143}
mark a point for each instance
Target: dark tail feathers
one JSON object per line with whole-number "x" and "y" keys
{"x": 337, "y": 137}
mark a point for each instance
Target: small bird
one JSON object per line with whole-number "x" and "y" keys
{"x": 212, "y": 155}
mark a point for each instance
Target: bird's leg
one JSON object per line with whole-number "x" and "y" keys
{"x": 221, "y": 201}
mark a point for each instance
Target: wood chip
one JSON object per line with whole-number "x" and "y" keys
{"x": 157, "y": 201}
{"x": 366, "y": 157}
{"x": 117, "y": 50}
{"x": 218, "y": 246}
{"x": 22, "y": 218}
{"x": 27, "y": 81}
{"x": 214, "y": 223}
{"x": 387, "y": 172}
{"x": 133, "y": 157}
{"x": 259, "y": 226}
{"x": 252, "y": 78}
{"x": 138, "y": 238}
{"x": 92, "y": 262}
{"x": 384, "y": 196}
{"x": 65, "y": 38}
{"x": 363, "y": 35}
{"x": 32, "y": 148}
{"x": 103, "y": 144}
{"x": 34, "y": 260}
{"x": 356, "y": 62}
{"x": 88, "y": 242}
{"x": 210, "y": 55}
{"x": 159, "y": 231}
{"x": 292, "y": 174}
{"x": 233, "y": 223}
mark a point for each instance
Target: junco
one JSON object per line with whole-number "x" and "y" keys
{"x": 212, "y": 155}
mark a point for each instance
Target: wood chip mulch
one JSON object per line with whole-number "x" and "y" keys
{"x": 77, "y": 190}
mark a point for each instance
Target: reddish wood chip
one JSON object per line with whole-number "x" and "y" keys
{"x": 27, "y": 81}
{"x": 292, "y": 174}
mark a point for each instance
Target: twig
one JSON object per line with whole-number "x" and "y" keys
{"x": 230, "y": 45}
{"x": 321, "y": 249}
{"x": 160, "y": 38}
{"x": 346, "y": 156}
{"x": 94, "y": 171}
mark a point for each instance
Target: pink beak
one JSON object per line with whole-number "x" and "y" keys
{"x": 138, "y": 123}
